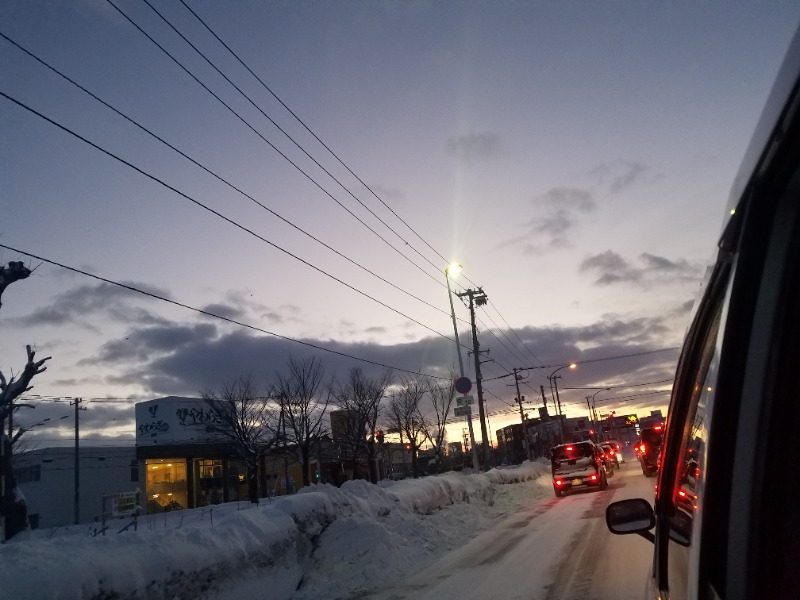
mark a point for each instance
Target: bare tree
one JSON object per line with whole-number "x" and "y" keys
{"x": 12, "y": 502}
{"x": 11, "y": 273}
{"x": 247, "y": 421}
{"x": 406, "y": 415}
{"x": 442, "y": 400}
{"x": 361, "y": 397}
{"x": 303, "y": 405}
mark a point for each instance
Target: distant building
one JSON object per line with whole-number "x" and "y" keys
{"x": 47, "y": 479}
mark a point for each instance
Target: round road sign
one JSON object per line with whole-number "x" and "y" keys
{"x": 463, "y": 385}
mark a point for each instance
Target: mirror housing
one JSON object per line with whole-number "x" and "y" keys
{"x": 634, "y": 515}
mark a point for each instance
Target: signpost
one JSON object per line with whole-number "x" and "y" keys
{"x": 463, "y": 385}
{"x": 465, "y": 400}
{"x": 462, "y": 411}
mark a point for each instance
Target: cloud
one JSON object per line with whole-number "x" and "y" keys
{"x": 187, "y": 359}
{"x": 611, "y": 268}
{"x": 474, "y": 147}
{"x": 139, "y": 344}
{"x": 556, "y": 212}
{"x": 619, "y": 176}
{"x": 224, "y": 310}
{"x": 82, "y": 305}
{"x": 390, "y": 195}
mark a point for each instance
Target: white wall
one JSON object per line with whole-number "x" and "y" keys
{"x": 102, "y": 471}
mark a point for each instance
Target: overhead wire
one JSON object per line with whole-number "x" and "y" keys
{"x": 238, "y": 89}
{"x": 511, "y": 329}
{"x": 271, "y": 145}
{"x": 214, "y": 315}
{"x": 307, "y": 128}
{"x": 283, "y": 131}
{"x": 219, "y": 214}
{"x": 217, "y": 176}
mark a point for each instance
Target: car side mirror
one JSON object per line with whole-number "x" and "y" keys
{"x": 634, "y": 515}
{"x": 680, "y": 528}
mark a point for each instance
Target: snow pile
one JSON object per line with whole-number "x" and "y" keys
{"x": 321, "y": 542}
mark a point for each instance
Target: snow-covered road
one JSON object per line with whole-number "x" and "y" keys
{"x": 544, "y": 549}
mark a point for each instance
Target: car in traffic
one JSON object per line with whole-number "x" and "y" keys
{"x": 724, "y": 522}
{"x": 579, "y": 465}
{"x": 618, "y": 450}
{"x": 649, "y": 445}
{"x": 610, "y": 455}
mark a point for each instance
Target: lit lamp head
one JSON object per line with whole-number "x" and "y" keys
{"x": 453, "y": 270}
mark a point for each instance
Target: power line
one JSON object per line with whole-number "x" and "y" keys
{"x": 303, "y": 150}
{"x": 593, "y": 360}
{"x": 219, "y": 214}
{"x": 299, "y": 120}
{"x": 511, "y": 329}
{"x": 218, "y": 177}
{"x": 215, "y": 316}
{"x": 270, "y": 144}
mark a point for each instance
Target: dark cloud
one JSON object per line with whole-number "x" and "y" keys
{"x": 82, "y": 305}
{"x": 611, "y": 268}
{"x": 140, "y": 344}
{"x": 471, "y": 148}
{"x": 659, "y": 263}
{"x": 555, "y": 214}
{"x": 224, "y": 310}
{"x": 389, "y": 195}
{"x": 621, "y": 175}
{"x": 686, "y": 307}
{"x": 186, "y": 360}
{"x": 631, "y": 172}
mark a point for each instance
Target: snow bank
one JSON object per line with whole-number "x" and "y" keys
{"x": 304, "y": 546}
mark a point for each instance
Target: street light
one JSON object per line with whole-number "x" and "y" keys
{"x": 454, "y": 269}
{"x": 592, "y": 412}
{"x": 554, "y": 386}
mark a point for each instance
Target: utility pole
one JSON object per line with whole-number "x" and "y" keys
{"x": 475, "y": 461}
{"x": 478, "y": 298}
{"x": 520, "y": 399}
{"x": 77, "y": 404}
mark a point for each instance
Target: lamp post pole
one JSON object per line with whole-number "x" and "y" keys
{"x": 592, "y": 414}
{"x": 554, "y": 386}
{"x": 454, "y": 267}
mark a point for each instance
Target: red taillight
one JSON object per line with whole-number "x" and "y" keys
{"x": 682, "y": 493}
{"x": 612, "y": 453}
{"x": 657, "y": 428}
{"x": 593, "y": 477}
{"x": 570, "y": 448}
{"x": 641, "y": 448}
{"x": 558, "y": 482}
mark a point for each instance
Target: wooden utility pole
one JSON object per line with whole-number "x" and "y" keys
{"x": 77, "y": 515}
{"x": 520, "y": 399}
{"x": 478, "y": 298}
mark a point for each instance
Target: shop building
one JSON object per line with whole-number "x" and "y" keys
{"x": 46, "y": 477}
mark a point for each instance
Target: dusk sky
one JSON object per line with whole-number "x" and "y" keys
{"x": 574, "y": 157}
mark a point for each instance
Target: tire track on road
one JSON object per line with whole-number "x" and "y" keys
{"x": 575, "y": 578}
